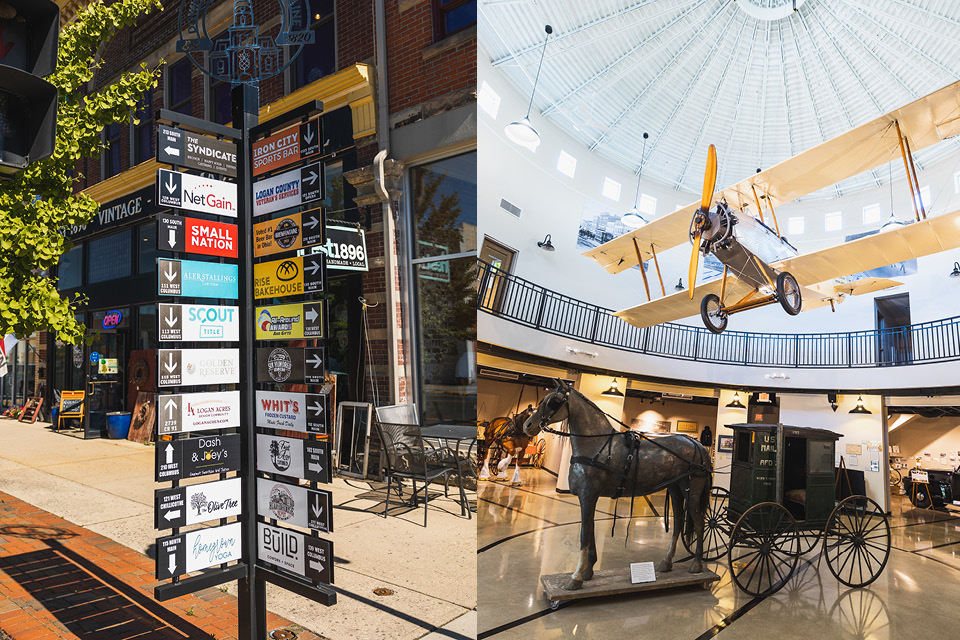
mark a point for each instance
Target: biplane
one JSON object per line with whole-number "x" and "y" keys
{"x": 760, "y": 266}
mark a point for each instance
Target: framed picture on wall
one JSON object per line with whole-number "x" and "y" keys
{"x": 725, "y": 444}
{"x": 687, "y": 427}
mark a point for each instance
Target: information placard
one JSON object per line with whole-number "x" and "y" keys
{"x": 186, "y": 149}
{"x": 289, "y": 233}
{"x": 290, "y": 364}
{"x": 304, "y": 412}
{"x": 194, "y": 457}
{"x": 197, "y": 279}
{"x": 288, "y": 189}
{"x": 196, "y": 193}
{"x": 290, "y": 321}
{"x": 291, "y": 276}
{"x": 295, "y": 505}
{"x": 287, "y": 146}
{"x": 184, "y": 413}
{"x": 196, "y": 550}
{"x": 198, "y": 323}
{"x": 192, "y": 235}
{"x": 197, "y": 366}
{"x": 304, "y": 555}
{"x": 307, "y": 459}
{"x": 184, "y": 506}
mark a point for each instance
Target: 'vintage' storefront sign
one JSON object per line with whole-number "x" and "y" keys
{"x": 290, "y": 321}
{"x": 296, "y": 231}
{"x": 137, "y": 205}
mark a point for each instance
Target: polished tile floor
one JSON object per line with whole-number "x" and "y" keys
{"x": 527, "y": 531}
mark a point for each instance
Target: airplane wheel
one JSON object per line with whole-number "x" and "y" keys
{"x": 788, "y": 293}
{"x": 712, "y": 313}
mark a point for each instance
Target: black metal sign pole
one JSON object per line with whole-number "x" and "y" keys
{"x": 252, "y": 602}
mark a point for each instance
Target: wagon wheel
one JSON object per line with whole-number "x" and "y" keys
{"x": 895, "y": 477}
{"x": 856, "y": 541}
{"x": 764, "y": 549}
{"x": 809, "y": 539}
{"x": 716, "y": 527}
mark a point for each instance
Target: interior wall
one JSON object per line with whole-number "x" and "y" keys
{"x": 934, "y": 436}
{"x": 726, "y": 416}
{"x": 673, "y": 411}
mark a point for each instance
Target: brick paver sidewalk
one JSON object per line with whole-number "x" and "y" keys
{"x": 58, "y": 580}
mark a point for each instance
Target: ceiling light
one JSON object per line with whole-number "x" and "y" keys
{"x": 860, "y": 408}
{"x": 546, "y": 245}
{"x": 736, "y": 404}
{"x": 613, "y": 391}
{"x": 521, "y": 131}
{"x": 633, "y": 218}
{"x": 956, "y": 270}
{"x": 891, "y": 223}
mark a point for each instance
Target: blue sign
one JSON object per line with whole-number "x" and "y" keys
{"x": 112, "y": 320}
{"x": 94, "y": 357}
{"x": 197, "y": 279}
{"x": 245, "y": 55}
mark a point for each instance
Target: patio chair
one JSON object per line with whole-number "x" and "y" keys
{"x": 407, "y": 460}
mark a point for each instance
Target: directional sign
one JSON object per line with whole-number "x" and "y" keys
{"x": 196, "y": 550}
{"x": 197, "y": 366}
{"x": 193, "y": 457}
{"x": 307, "y": 459}
{"x": 289, "y": 189}
{"x": 185, "y": 149}
{"x": 296, "y": 231}
{"x": 196, "y": 279}
{"x": 183, "y": 506}
{"x": 194, "y": 193}
{"x": 197, "y": 322}
{"x": 346, "y": 248}
{"x": 304, "y": 555}
{"x": 290, "y": 364}
{"x": 290, "y": 321}
{"x": 289, "y": 277}
{"x": 192, "y": 235}
{"x": 304, "y": 412}
{"x": 296, "y": 505}
{"x": 288, "y": 146}
{"x": 188, "y": 412}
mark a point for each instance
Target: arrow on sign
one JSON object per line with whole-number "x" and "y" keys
{"x": 317, "y": 510}
{"x": 312, "y": 224}
{"x": 170, "y": 406}
{"x": 313, "y": 565}
{"x": 316, "y": 407}
{"x": 313, "y": 268}
{"x": 315, "y": 467}
{"x": 173, "y": 152}
{"x": 169, "y": 452}
{"x": 173, "y": 563}
{"x": 170, "y": 515}
{"x": 312, "y": 179}
{"x": 170, "y": 366}
{"x": 311, "y": 314}
{"x": 168, "y": 274}
{"x": 172, "y": 238}
{"x": 171, "y": 185}
{"x": 171, "y": 320}
{"x": 308, "y": 136}
{"x": 316, "y": 361}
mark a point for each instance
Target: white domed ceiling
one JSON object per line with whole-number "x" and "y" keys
{"x": 757, "y": 78}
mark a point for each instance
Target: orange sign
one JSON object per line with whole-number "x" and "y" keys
{"x": 287, "y": 147}
{"x": 288, "y": 233}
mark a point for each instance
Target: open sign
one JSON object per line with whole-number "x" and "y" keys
{"x": 112, "y": 320}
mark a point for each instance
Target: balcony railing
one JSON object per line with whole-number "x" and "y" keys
{"x": 518, "y": 300}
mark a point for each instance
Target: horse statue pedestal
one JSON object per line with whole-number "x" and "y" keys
{"x": 614, "y": 582}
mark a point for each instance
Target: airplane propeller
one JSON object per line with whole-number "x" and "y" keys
{"x": 700, "y": 218}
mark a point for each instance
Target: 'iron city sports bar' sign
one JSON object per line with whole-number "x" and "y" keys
{"x": 286, "y": 147}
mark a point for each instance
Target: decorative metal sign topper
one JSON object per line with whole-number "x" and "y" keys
{"x": 243, "y": 55}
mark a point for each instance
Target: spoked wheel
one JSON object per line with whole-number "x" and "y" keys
{"x": 788, "y": 293}
{"x": 895, "y": 477}
{"x": 716, "y": 527}
{"x": 764, "y": 549}
{"x": 712, "y": 313}
{"x": 856, "y": 541}
{"x": 808, "y": 541}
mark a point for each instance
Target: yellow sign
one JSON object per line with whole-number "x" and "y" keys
{"x": 290, "y": 321}
{"x": 71, "y": 403}
{"x": 288, "y": 233}
{"x": 278, "y": 278}
{"x": 108, "y": 365}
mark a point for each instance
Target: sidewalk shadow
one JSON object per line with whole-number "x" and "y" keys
{"x": 85, "y": 597}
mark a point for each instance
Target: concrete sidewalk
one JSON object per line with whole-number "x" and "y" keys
{"x": 107, "y": 487}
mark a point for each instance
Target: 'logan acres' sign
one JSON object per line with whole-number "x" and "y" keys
{"x": 196, "y": 550}
{"x": 307, "y": 459}
{"x": 197, "y": 366}
{"x": 289, "y": 189}
{"x": 296, "y": 505}
{"x": 198, "y": 411}
{"x": 195, "y": 457}
{"x": 197, "y": 322}
{"x": 304, "y": 412}
{"x": 192, "y": 235}
{"x": 185, "y": 149}
{"x": 286, "y": 147}
{"x": 183, "y": 506}
{"x": 289, "y": 364}
{"x": 196, "y": 279}
{"x": 289, "y": 233}
{"x": 304, "y": 555}
{"x": 187, "y": 191}
{"x": 289, "y": 277}
{"x": 290, "y": 321}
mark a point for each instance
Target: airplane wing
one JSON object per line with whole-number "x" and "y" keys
{"x": 679, "y": 305}
{"x": 925, "y": 122}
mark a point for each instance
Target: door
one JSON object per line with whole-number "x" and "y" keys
{"x": 894, "y": 344}
{"x": 500, "y": 259}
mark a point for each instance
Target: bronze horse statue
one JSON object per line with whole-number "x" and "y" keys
{"x": 508, "y": 435}
{"x": 606, "y": 461}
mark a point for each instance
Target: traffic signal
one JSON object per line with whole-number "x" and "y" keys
{"x": 28, "y": 104}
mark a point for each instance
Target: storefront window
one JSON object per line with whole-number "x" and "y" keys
{"x": 111, "y": 157}
{"x": 147, "y": 323}
{"x": 179, "y": 87}
{"x": 320, "y": 58}
{"x": 451, "y": 16}
{"x": 70, "y": 269}
{"x": 147, "y": 248}
{"x": 108, "y": 258}
{"x": 143, "y": 132}
{"x": 445, "y": 268}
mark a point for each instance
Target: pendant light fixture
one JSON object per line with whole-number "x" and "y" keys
{"x": 679, "y": 286}
{"x": 613, "y": 391}
{"x": 956, "y": 270}
{"x": 860, "y": 408}
{"x": 633, "y": 218}
{"x": 546, "y": 245}
{"x": 892, "y": 222}
{"x": 736, "y": 404}
{"x": 521, "y": 131}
